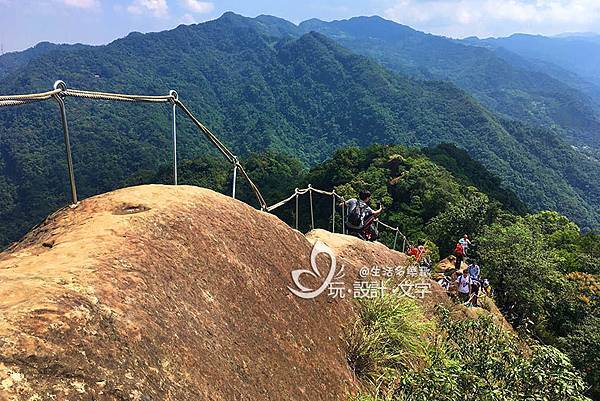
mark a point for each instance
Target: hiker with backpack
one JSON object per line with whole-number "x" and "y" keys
{"x": 360, "y": 217}
{"x": 474, "y": 270}
{"x": 474, "y": 274}
{"x": 464, "y": 286}
{"x": 459, "y": 254}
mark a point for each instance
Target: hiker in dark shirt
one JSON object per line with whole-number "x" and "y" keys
{"x": 360, "y": 217}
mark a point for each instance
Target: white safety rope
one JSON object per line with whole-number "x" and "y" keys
{"x": 60, "y": 91}
{"x": 310, "y": 189}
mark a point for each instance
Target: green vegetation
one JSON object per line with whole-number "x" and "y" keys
{"x": 546, "y": 273}
{"x": 286, "y": 100}
{"x": 11, "y": 62}
{"x": 544, "y": 270}
{"x": 472, "y": 173}
{"x": 388, "y": 337}
{"x": 424, "y": 199}
{"x": 499, "y": 79}
{"x": 259, "y": 90}
{"x": 398, "y": 356}
{"x": 549, "y": 278}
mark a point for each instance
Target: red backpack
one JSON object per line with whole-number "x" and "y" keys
{"x": 458, "y": 251}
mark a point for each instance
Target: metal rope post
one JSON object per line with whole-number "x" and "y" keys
{"x": 343, "y": 221}
{"x": 63, "y": 115}
{"x": 175, "y": 97}
{"x": 404, "y": 244}
{"x": 235, "y": 167}
{"x": 312, "y": 215}
{"x": 296, "y": 191}
{"x": 396, "y": 238}
{"x": 333, "y": 214}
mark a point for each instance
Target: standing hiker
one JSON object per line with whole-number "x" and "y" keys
{"x": 474, "y": 270}
{"x": 474, "y": 274}
{"x": 465, "y": 242}
{"x": 459, "y": 253}
{"x": 464, "y": 286}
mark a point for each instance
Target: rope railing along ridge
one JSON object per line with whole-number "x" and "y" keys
{"x": 118, "y": 96}
{"x": 335, "y": 196}
{"x": 18, "y": 100}
{"x": 8, "y": 103}
{"x": 61, "y": 91}
{"x": 32, "y": 96}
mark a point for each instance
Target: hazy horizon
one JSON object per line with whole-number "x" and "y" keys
{"x": 25, "y": 23}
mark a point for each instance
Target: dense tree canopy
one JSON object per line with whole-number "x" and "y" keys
{"x": 258, "y": 90}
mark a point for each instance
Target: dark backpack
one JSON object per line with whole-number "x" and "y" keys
{"x": 357, "y": 215}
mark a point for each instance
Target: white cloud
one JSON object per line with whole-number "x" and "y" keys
{"x": 199, "y": 7}
{"x": 188, "y": 19}
{"x": 497, "y": 17}
{"x": 158, "y": 8}
{"x": 83, "y": 4}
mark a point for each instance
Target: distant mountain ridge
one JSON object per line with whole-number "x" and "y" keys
{"x": 11, "y": 62}
{"x": 258, "y": 87}
{"x": 506, "y": 86}
{"x": 506, "y": 78}
{"x": 578, "y": 54}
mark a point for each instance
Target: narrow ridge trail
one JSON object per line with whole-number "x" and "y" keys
{"x": 173, "y": 293}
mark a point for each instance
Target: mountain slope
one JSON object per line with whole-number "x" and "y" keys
{"x": 576, "y": 54}
{"x": 305, "y": 97}
{"x": 511, "y": 89}
{"x": 144, "y": 293}
{"x": 141, "y": 294}
{"x": 11, "y": 62}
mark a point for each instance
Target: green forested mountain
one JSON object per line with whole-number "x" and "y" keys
{"x": 578, "y": 54}
{"x": 504, "y": 85}
{"x": 469, "y": 172}
{"x": 11, "y": 62}
{"x": 258, "y": 89}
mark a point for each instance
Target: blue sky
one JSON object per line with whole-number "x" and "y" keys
{"x": 24, "y": 23}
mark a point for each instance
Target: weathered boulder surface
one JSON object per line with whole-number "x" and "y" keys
{"x": 170, "y": 293}
{"x": 176, "y": 293}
